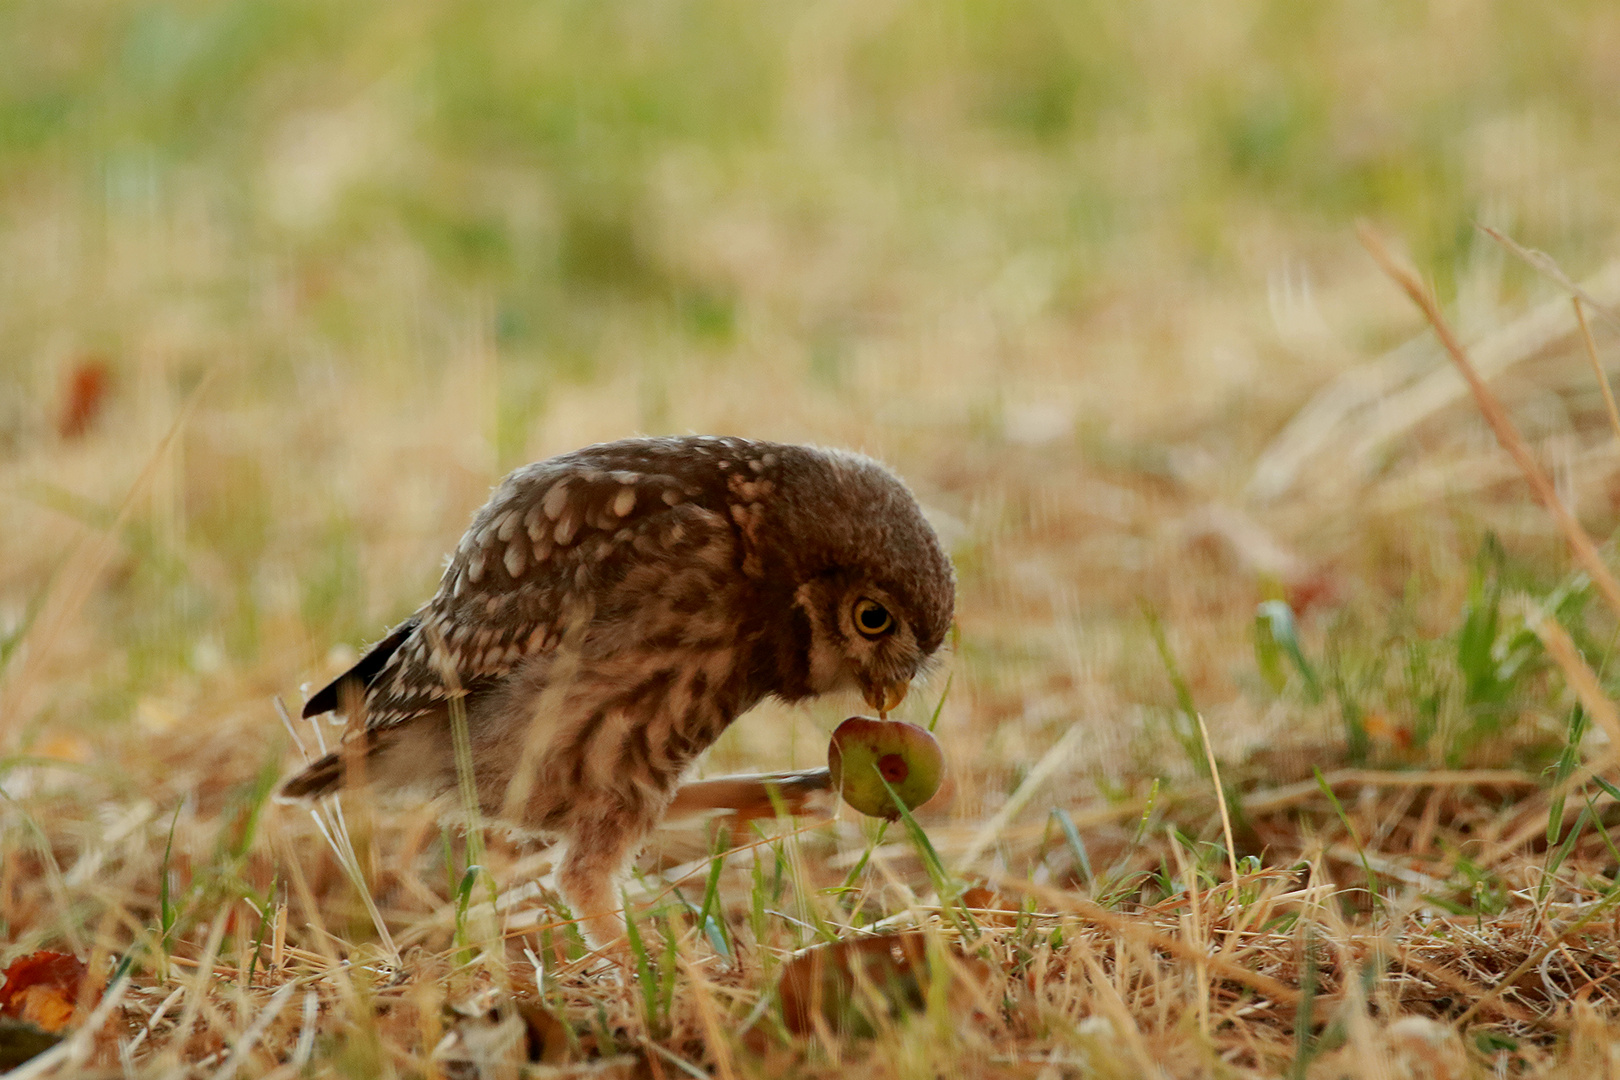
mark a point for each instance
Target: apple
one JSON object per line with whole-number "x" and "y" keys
{"x": 906, "y": 756}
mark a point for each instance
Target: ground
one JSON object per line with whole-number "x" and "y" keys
{"x": 1277, "y": 720}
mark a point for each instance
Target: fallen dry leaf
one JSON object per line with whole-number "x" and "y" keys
{"x": 842, "y": 983}
{"x": 42, "y": 988}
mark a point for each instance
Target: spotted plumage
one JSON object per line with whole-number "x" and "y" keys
{"x": 611, "y": 610}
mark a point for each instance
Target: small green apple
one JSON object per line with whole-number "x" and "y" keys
{"x": 904, "y": 755}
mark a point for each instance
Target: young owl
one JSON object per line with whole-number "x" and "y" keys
{"x": 611, "y": 610}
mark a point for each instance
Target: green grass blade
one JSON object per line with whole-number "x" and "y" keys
{"x": 1077, "y": 845}
{"x": 933, "y": 721}
{"x": 948, "y": 888}
{"x": 1276, "y": 628}
{"x": 1355, "y": 838}
{"x": 1187, "y": 730}
{"x": 166, "y": 911}
{"x": 1556, "y": 858}
{"x": 1567, "y": 760}
{"x": 644, "y": 967}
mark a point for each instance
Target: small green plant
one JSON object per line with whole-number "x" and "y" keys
{"x": 709, "y": 916}
{"x": 1184, "y": 723}
{"x": 1276, "y": 637}
{"x": 1082, "y": 858}
{"x": 465, "y": 950}
{"x": 1373, "y": 893}
{"x": 945, "y": 884}
{"x": 1457, "y": 698}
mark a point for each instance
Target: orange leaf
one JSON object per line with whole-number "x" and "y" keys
{"x": 43, "y": 989}
{"x": 84, "y": 397}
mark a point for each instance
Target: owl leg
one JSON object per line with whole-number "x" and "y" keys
{"x": 597, "y": 854}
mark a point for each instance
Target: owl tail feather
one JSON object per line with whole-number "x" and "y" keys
{"x": 348, "y": 764}
{"x": 322, "y": 777}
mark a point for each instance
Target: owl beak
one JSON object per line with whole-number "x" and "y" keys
{"x": 887, "y": 697}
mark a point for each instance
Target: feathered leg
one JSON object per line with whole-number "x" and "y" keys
{"x": 593, "y": 864}
{"x": 599, "y": 848}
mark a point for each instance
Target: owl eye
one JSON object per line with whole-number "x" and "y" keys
{"x": 872, "y": 619}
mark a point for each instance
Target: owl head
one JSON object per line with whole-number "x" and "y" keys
{"x": 873, "y": 591}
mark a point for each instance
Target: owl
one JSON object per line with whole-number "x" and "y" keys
{"x": 612, "y": 610}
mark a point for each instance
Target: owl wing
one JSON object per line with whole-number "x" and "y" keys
{"x": 545, "y": 555}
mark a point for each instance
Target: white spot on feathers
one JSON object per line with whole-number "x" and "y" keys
{"x": 567, "y": 526}
{"x": 624, "y": 501}
{"x": 556, "y": 499}
{"x": 517, "y": 556}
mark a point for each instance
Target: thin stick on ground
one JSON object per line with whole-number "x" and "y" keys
{"x": 1581, "y": 545}
{"x": 1220, "y": 797}
{"x": 1597, "y": 366}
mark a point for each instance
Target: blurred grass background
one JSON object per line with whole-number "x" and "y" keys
{"x": 1068, "y": 266}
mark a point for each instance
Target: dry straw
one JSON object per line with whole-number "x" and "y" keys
{"x": 1584, "y": 550}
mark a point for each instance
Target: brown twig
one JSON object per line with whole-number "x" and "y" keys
{"x": 1597, "y": 366}
{"x": 1577, "y": 672}
{"x": 1546, "y": 265}
{"x": 1220, "y": 797}
{"x": 1581, "y": 545}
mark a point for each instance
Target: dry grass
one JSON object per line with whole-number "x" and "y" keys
{"x": 1440, "y": 907}
{"x": 1280, "y": 721}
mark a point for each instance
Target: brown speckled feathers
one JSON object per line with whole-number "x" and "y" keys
{"x": 611, "y": 610}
